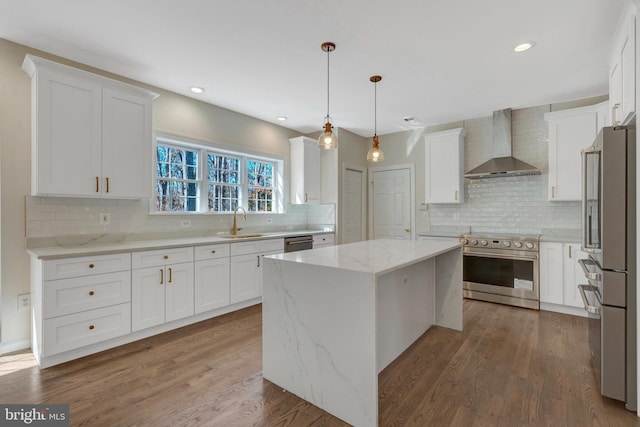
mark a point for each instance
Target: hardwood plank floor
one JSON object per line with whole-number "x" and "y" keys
{"x": 509, "y": 367}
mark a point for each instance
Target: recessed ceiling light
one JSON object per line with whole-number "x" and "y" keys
{"x": 281, "y": 118}
{"x": 196, "y": 89}
{"x": 523, "y": 47}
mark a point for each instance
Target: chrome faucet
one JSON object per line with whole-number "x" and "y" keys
{"x": 235, "y": 228}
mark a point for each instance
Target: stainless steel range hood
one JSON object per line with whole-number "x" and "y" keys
{"x": 503, "y": 163}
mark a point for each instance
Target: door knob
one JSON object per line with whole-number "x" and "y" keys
{"x": 407, "y": 230}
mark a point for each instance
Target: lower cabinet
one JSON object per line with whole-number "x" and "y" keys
{"x": 323, "y": 240}
{"x": 560, "y": 273}
{"x": 162, "y": 292}
{"x": 211, "y": 277}
{"x": 246, "y": 267}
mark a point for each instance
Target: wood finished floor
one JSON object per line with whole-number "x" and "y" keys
{"x": 509, "y": 367}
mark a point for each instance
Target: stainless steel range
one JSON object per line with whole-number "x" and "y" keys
{"x": 502, "y": 268}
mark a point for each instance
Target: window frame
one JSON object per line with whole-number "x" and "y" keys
{"x": 203, "y": 148}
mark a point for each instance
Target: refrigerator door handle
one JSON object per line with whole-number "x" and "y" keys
{"x": 589, "y": 308}
{"x": 588, "y": 273}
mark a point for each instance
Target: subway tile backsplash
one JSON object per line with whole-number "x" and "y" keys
{"x": 58, "y": 216}
{"x": 514, "y": 204}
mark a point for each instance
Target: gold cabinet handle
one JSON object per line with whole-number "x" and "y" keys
{"x": 91, "y": 327}
{"x": 258, "y": 260}
{"x": 553, "y": 192}
{"x": 107, "y": 179}
{"x": 166, "y": 257}
{"x": 456, "y": 195}
{"x": 97, "y": 184}
{"x": 213, "y": 251}
{"x": 170, "y": 275}
{"x": 91, "y": 293}
{"x": 306, "y": 198}
{"x": 161, "y": 276}
{"x": 570, "y": 252}
{"x": 91, "y": 265}
{"x": 407, "y": 230}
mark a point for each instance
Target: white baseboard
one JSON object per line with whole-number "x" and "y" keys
{"x": 10, "y": 347}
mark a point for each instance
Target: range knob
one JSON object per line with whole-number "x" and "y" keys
{"x": 484, "y": 242}
{"x": 506, "y": 243}
{"x": 518, "y": 244}
{"x": 530, "y": 245}
{"x": 465, "y": 241}
{"x": 474, "y": 242}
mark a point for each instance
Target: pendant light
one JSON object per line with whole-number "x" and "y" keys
{"x": 328, "y": 139}
{"x": 375, "y": 154}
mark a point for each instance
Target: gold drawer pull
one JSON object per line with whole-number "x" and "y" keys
{"x": 170, "y": 275}
{"x": 97, "y": 184}
{"x": 107, "y": 184}
{"x": 161, "y": 276}
{"x": 91, "y": 293}
{"x": 213, "y": 251}
{"x": 91, "y": 327}
{"x": 91, "y": 265}
{"x": 166, "y": 257}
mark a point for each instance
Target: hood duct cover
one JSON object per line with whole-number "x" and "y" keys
{"x": 502, "y": 164}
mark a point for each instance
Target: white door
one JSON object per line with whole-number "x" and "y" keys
{"x": 147, "y": 297}
{"x": 353, "y": 205}
{"x": 245, "y": 277}
{"x": 391, "y": 210}
{"x": 179, "y": 291}
{"x": 211, "y": 284}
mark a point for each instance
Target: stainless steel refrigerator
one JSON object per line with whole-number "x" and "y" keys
{"x": 609, "y": 237}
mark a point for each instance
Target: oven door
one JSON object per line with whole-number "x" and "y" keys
{"x": 514, "y": 275}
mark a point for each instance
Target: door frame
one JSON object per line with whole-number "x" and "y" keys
{"x": 363, "y": 201}
{"x": 412, "y": 194}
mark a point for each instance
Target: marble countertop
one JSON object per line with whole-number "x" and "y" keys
{"x": 563, "y": 235}
{"x": 445, "y": 231}
{"x": 67, "y": 247}
{"x": 371, "y": 256}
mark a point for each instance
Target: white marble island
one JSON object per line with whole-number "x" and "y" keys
{"x": 334, "y": 317}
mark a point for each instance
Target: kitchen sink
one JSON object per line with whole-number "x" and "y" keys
{"x": 238, "y": 236}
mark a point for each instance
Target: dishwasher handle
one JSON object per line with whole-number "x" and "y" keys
{"x": 593, "y": 309}
{"x": 588, "y": 273}
{"x": 299, "y": 242}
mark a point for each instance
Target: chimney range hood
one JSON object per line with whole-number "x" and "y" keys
{"x": 502, "y": 164}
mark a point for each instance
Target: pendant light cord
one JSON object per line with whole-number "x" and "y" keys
{"x": 328, "y": 51}
{"x": 375, "y": 109}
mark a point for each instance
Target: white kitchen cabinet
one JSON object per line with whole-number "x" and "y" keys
{"x": 79, "y": 301}
{"x": 569, "y": 132}
{"x": 622, "y": 86}
{"x": 551, "y": 273}
{"x": 162, "y": 286}
{"x": 91, "y": 136}
{"x": 323, "y": 240}
{"x": 246, "y": 267}
{"x": 560, "y": 274}
{"x": 573, "y": 274}
{"x": 212, "y": 272}
{"x": 305, "y": 171}
{"x": 444, "y": 166}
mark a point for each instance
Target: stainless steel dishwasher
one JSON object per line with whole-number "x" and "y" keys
{"x": 298, "y": 243}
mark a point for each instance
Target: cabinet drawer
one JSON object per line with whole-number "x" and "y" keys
{"x": 83, "y": 266}
{"x": 211, "y": 251}
{"x": 89, "y": 327}
{"x": 161, "y": 257}
{"x": 257, "y": 246}
{"x": 322, "y": 239}
{"x": 78, "y": 294}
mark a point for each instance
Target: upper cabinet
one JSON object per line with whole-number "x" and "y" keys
{"x": 444, "y": 165}
{"x": 305, "y": 171}
{"x": 622, "y": 83}
{"x": 91, "y": 136}
{"x": 569, "y": 132}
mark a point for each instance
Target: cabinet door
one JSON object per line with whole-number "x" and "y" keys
{"x": 305, "y": 171}
{"x": 615, "y": 93}
{"x": 67, "y": 141}
{"x": 551, "y": 273}
{"x": 568, "y": 135}
{"x": 628, "y": 66}
{"x": 245, "y": 277}
{"x": 573, "y": 274}
{"x": 126, "y": 145}
{"x": 147, "y": 297}
{"x": 443, "y": 167}
{"x": 179, "y": 301}
{"x": 211, "y": 284}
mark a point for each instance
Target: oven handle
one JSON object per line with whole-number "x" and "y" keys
{"x": 589, "y": 308}
{"x": 502, "y": 256}
{"x": 588, "y": 273}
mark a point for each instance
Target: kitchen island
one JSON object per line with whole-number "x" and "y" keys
{"x": 335, "y": 317}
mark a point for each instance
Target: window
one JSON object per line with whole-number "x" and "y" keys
{"x": 225, "y": 181}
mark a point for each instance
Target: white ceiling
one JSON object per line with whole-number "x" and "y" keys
{"x": 440, "y": 60}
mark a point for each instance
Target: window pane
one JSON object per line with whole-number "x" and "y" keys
{"x": 175, "y": 196}
{"x": 222, "y": 169}
{"x": 260, "y": 199}
{"x": 223, "y": 198}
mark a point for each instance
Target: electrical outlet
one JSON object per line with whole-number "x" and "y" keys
{"x": 105, "y": 218}
{"x": 185, "y": 223}
{"x": 24, "y": 302}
